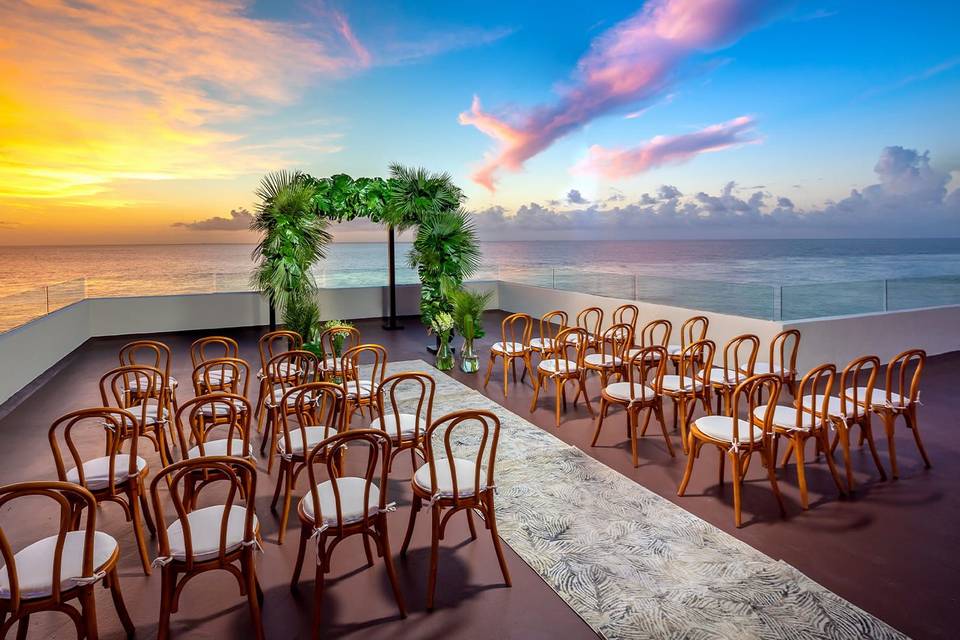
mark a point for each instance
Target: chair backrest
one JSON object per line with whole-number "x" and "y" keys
{"x": 335, "y": 341}
{"x": 903, "y": 376}
{"x": 739, "y": 357}
{"x": 229, "y": 375}
{"x": 749, "y": 394}
{"x": 313, "y": 404}
{"x": 516, "y": 328}
{"x": 149, "y": 352}
{"x": 616, "y": 340}
{"x": 373, "y": 356}
{"x": 813, "y": 397}
{"x": 857, "y": 381}
{"x": 241, "y": 476}
{"x": 646, "y": 367}
{"x": 274, "y": 342}
{"x": 590, "y": 320}
{"x": 211, "y": 347}
{"x": 626, "y": 314}
{"x": 71, "y": 501}
{"x": 552, "y": 323}
{"x": 290, "y": 369}
{"x": 783, "y": 351}
{"x": 226, "y": 413}
{"x": 655, "y": 333}
{"x": 72, "y": 431}
{"x": 696, "y": 360}
{"x": 410, "y": 393}
{"x": 481, "y": 429}
{"x": 130, "y": 386}
{"x": 693, "y": 330}
{"x": 331, "y": 452}
{"x": 570, "y": 346}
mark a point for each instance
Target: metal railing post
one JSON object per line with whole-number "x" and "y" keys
{"x": 635, "y": 286}
{"x": 778, "y": 303}
{"x": 46, "y": 291}
{"x": 886, "y": 293}
{"x": 554, "y": 272}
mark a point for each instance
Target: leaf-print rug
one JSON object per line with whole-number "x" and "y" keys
{"x": 633, "y": 564}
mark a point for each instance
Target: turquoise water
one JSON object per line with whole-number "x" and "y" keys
{"x": 760, "y": 278}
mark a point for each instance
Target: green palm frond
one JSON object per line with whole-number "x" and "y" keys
{"x": 413, "y": 193}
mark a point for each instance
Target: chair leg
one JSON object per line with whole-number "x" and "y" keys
{"x": 889, "y": 422}
{"x": 391, "y": 571}
{"x": 910, "y": 415}
{"x": 135, "y": 505}
{"x": 250, "y": 576}
{"x": 632, "y": 417}
{"x": 559, "y": 382}
{"x": 492, "y": 525}
{"x": 287, "y": 496}
{"x": 737, "y": 480}
{"x": 167, "y": 587}
{"x": 682, "y": 411}
{"x": 305, "y": 533}
{"x": 798, "y": 445}
{"x": 658, "y": 410}
{"x": 258, "y": 411}
{"x": 767, "y": 461}
{"x": 281, "y": 479}
{"x": 23, "y": 626}
{"x": 88, "y": 605}
{"x": 473, "y": 528}
{"x": 604, "y": 405}
{"x": 583, "y": 390}
{"x": 486, "y": 378}
{"x": 414, "y": 508}
{"x": 434, "y": 555}
{"x": 723, "y": 457}
{"x": 866, "y": 431}
{"x": 843, "y": 435}
{"x": 536, "y": 393}
{"x": 691, "y": 454}
{"x": 113, "y": 582}
{"x": 506, "y": 369}
{"x": 318, "y": 598}
{"x": 831, "y": 464}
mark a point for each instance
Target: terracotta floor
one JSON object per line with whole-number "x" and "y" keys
{"x": 889, "y": 549}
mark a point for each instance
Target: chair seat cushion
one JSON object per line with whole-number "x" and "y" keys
{"x": 833, "y": 404}
{"x": 602, "y": 360}
{"x": 408, "y": 425}
{"x": 465, "y": 471}
{"x": 513, "y": 348}
{"x": 150, "y": 416}
{"x": 366, "y": 389}
{"x": 96, "y": 472}
{"x": 222, "y": 408}
{"x": 575, "y": 337}
{"x": 219, "y": 448}
{"x": 205, "y": 532}
{"x": 764, "y": 367}
{"x": 351, "y": 501}
{"x": 721, "y": 428}
{"x": 674, "y": 349}
{"x": 552, "y": 366}
{"x": 35, "y": 563}
{"x": 621, "y": 391}
{"x": 138, "y": 383}
{"x": 672, "y": 383}
{"x": 719, "y": 375}
{"x": 217, "y": 376}
{"x": 541, "y": 344}
{"x": 786, "y": 418}
{"x": 315, "y": 435}
{"x": 632, "y": 353}
{"x": 879, "y": 398}
{"x": 284, "y": 370}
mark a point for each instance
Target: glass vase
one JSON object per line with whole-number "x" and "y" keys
{"x": 469, "y": 361}
{"x": 444, "y": 360}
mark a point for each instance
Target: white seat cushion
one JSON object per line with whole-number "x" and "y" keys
{"x": 35, "y": 563}
{"x": 879, "y": 398}
{"x": 150, "y": 417}
{"x": 764, "y": 367}
{"x": 575, "y": 337}
{"x": 284, "y": 369}
{"x": 552, "y": 366}
{"x": 138, "y": 383}
{"x": 674, "y": 349}
{"x": 786, "y": 417}
{"x": 315, "y": 435}
{"x": 96, "y": 472}
{"x": 216, "y": 376}
{"x": 602, "y": 360}
{"x": 278, "y": 392}
{"x": 632, "y": 353}
{"x": 205, "y": 532}
{"x": 218, "y": 448}
{"x": 366, "y": 389}
{"x": 833, "y": 404}
{"x": 514, "y": 348}
{"x": 351, "y": 501}
{"x": 672, "y": 383}
{"x": 621, "y": 390}
{"x": 465, "y": 471}
{"x": 541, "y": 344}
{"x": 222, "y": 408}
{"x": 719, "y": 375}
{"x": 721, "y": 428}
{"x": 408, "y": 425}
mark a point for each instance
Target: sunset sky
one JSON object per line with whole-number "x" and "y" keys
{"x": 151, "y": 121}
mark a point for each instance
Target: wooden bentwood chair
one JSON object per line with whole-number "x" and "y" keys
{"x": 408, "y": 414}
{"x": 691, "y": 383}
{"x": 550, "y": 324}
{"x": 611, "y": 353}
{"x": 318, "y": 410}
{"x": 284, "y": 372}
{"x": 140, "y": 390}
{"x": 115, "y": 477}
{"x": 514, "y": 344}
{"x": 641, "y": 391}
{"x": 212, "y": 348}
{"x": 152, "y": 354}
{"x": 692, "y": 330}
{"x": 269, "y": 345}
{"x": 460, "y": 480}
{"x": 590, "y": 320}
{"x": 738, "y": 438}
{"x": 361, "y": 391}
{"x": 334, "y": 342}
{"x": 558, "y": 366}
{"x": 219, "y": 536}
{"x": 782, "y": 359}
{"x": 739, "y": 356}
{"x": 47, "y": 574}
{"x": 345, "y": 506}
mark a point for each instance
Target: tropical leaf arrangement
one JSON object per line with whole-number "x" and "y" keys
{"x": 468, "y": 308}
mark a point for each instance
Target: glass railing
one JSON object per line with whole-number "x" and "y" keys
{"x": 767, "y": 302}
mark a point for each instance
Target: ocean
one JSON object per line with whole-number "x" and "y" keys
{"x": 763, "y": 278}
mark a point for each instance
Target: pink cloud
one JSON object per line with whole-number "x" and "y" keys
{"x": 661, "y": 150}
{"x": 633, "y": 62}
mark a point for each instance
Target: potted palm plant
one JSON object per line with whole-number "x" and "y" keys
{"x": 468, "y": 308}
{"x": 442, "y": 325}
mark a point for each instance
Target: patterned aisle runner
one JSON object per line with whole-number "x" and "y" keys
{"x": 632, "y": 564}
